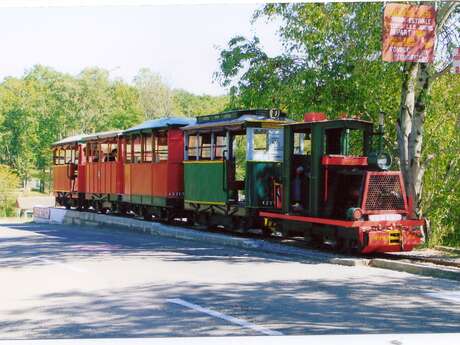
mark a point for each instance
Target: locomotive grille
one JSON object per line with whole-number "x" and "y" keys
{"x": 384, "y": 193}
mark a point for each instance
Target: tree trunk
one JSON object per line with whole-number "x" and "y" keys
{"x": 417, "y": 167}
{"x": 404, "y": 124}
{"x": 414, "y": 93}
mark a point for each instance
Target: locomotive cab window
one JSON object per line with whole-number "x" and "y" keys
{"x": 264, "y": 144}
{"x": 300, "y": 171}
{"x": 344, "y": 141}
{"x": 353, "y": 142}
{"x": 302, "y": 144}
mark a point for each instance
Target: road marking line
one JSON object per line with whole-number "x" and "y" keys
{"x": 446, "y": 295}
{"x": 67, "y": 266}
{"x": 228, "y": 318}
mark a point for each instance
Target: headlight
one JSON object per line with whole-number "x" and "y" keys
{"x": 354, "y": 213}
{"x": 382, "y": 160}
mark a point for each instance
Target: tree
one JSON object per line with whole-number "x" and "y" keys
{"x": 189, "y": 104}
{"x": 441, "y": 195}
{"x": 45, "y": 106}
{"x": 19, "y": 126}
{"x": 415, "y": 92}
{"x": 154, "y": 95}
{"x": 9, "y": 182}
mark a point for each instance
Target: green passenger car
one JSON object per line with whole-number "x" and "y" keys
{"x": 232, "y": 165}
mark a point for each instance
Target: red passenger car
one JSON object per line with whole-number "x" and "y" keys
{"x": 153, "y": 171}
{"x": 68, "y": 171}
{"x": 103, "y": 168}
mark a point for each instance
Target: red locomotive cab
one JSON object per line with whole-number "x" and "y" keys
{"x": 68, "y": 172}
{"x": 337, "y": 182}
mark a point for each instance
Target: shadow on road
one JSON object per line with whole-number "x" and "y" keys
{"x": 387, "y": 304}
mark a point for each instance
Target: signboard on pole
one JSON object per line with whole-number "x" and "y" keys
{"x": 456, "y": 61}
{"x": 409, "y": 33}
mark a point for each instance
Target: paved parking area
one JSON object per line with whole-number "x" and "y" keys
{"x": 59, "y": 281}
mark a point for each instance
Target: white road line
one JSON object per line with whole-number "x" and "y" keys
{"x": 228, "y": 318}
{"x": 67, "y": 266}
{"x": 453, "y": 296}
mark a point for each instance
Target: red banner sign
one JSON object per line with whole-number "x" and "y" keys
{"x": 456, "y": 62}
{"x": 409, "y": 33}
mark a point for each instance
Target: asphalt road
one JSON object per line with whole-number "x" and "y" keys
{"x": 60, "y": 281}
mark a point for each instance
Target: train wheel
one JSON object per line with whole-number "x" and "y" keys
{"x": 146, "y": 213}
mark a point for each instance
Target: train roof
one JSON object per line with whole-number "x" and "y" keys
{"x": 344, "y": 123}
{"x": 161, "y": 123}
{"x": 74, "y": 139}
{"x": 237, "y": 118}
{"x": 101, "y": 135}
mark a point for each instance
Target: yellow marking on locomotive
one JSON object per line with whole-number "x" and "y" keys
{"x": 394, "y": 237}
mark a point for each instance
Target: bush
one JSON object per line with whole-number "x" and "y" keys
{"x": 9, "y": 183}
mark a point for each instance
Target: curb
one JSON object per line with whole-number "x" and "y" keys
{"x": 423, "y": 270}
{"x": 171, "y": 231}
{"x": 69, "y": 217}
{"x": 448, "y": 249}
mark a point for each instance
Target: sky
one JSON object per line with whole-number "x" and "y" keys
{"x": 180, "y": 42}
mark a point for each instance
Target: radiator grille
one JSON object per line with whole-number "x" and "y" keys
{"x": 384, "y": 193}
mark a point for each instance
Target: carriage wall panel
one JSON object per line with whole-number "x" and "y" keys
{"x": 141, "y": 179}
{"x": 160, "y": 179}
{"x": 61, "y": 181}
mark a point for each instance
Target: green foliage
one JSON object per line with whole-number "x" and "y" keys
{"x": 441, "y": 202}
{"x": 188, "y": 104}
{"x": 46, "y": 105}
{"x": 9, "y": 182}
{"x": 327, "y": 65}
{"x": 157, "y": 99}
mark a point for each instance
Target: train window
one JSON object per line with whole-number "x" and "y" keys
{"x": 105, "y": 150}
{"x": 161, "y": 152}
{"x": 219, "y": 146}
{"x": 192, "y": 147}
{"x": 110, "y": 152}
{"x": 137, "y": 149}
{"x": 205, "y": 146}
{"x": 353, "y": 142}
{"x": 302, "y": 144}
{"x": 87, "y": 153}
{"x": 148, "y": 148}
{"x": 239, "y": 148}
{"x": 129, "y": 150}
{"x": 264, "y": 144}
{"x": 76, "y": 155}
{"x": 59, "y": 157}
{"x": 68, "y": 156}
{"x": 332, "y": 141}
{"x": 93, "y": 152}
